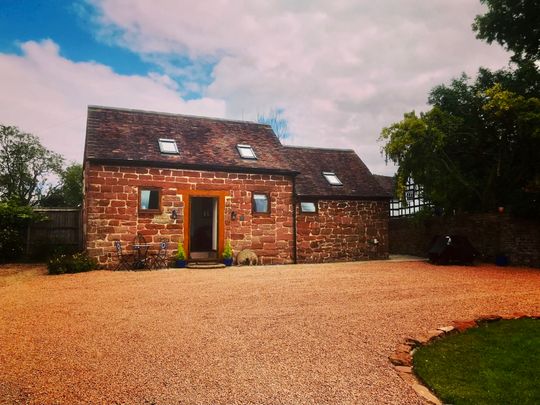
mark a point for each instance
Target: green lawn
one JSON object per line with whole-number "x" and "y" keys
{"x": 496, "y": 363}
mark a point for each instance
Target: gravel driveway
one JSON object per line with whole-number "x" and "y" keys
{"x": 270, "y": 334}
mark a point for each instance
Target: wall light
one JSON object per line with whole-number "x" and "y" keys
{"x": 233, "y": 216}
{"x": 174, "y": 215}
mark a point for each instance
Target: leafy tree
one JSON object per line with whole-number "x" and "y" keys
{"x": 478, "y": 147}
{"x": 69, "y": 192}
{"x": 24, "y": 166}
{"x": 277, "y": 121}
{"x": 14, "y": 220}
{"x": 513, "y": 24}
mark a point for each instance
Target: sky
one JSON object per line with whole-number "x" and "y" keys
{"x": 339, "y": 70}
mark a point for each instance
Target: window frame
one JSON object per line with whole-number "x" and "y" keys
{"x": 241, "y": 146}
{"x": 171, "y": 141}
{"x": 149, "y": 210}
{"x": 325, "y": 174}
{"x": 268, "y": 203}
{"x": 315, "y": 204}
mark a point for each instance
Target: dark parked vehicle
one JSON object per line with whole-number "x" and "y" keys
{"x": 451, "y": 249}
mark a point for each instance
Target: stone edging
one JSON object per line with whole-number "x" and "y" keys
{"x": 402, "y": 357}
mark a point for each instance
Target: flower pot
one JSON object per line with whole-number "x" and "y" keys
{"x": 501, "y": 260}
{"x": 180, "y": 264}
{"x": 228, "y": 262}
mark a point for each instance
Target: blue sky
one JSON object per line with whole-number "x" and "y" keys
{"x": 61, "y": 21}
{"x": 70, "y": 25}
{"x": 338, "y": 71}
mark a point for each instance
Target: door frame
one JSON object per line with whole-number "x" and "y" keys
{"x": 220, "y": 195}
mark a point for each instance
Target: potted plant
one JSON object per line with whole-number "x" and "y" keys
{"x": 180, "y": 256}
{"x": 227, "y": 254}
{"x": 501, "y": 259}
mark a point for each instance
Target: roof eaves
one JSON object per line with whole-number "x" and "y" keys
{"x": 343, "y": 197}
{"x": 191, "y": 166}
{"x": 318, "y": 148}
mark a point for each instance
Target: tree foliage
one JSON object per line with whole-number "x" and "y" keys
{"x": 478, "y": 147}
{"x": 513, "y": 24}
{"x": 14, "y": 220}
{"x": 24, "y": 166}
{"x": 69, "y": 191}
{"x": 277, "y": 121}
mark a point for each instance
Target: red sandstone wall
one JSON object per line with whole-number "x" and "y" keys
{"x": 489, "y": 233}
{"x": 111, "y": 209}
{"x": 343, "y": 231}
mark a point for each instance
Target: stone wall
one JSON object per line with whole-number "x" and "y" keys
{"x": 111, "y": 209}
{"x": 343, "y": 230}
{"x": 490, "y": 234}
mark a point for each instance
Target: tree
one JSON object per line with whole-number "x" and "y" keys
{"x": 277, "y": 121}
{"x": 24, "y": 166}
{"x": 478, "y": 147}
{"x": 513, "y": 24}
{"x": 14, "y": 221}
{"x": 69, "y": 192}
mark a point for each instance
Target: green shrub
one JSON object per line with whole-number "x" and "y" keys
{"x": 14, "y": 221}
{"x": 76, "y": 263}
{"x": 44, "y": 249}
{"x": 181, "y": 253}
{"x": 227, "y": 250}
{"x": 11, "y": 244}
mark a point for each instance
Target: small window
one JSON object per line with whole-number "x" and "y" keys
{"x": 168, "y": 146}
{"x": 246, "y": 152}
{"x": 260, "y": 203}
{"x": 308, "y": 207}
{"x": 332, "y": 179}
{"x": 149, "y": 200}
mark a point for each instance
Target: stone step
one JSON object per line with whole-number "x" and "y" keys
{"x": 205, "y": 265}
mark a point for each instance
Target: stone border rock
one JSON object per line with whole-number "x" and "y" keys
{"x": 402, "y": 359}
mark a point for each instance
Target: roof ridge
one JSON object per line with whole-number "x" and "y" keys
{"x": 152, "y": 112}
{"x": 319, "y": 148}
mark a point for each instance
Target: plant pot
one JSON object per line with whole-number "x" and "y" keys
{"x": 501, "y": 260}
{"x": 228, "y": 262}
{"x": 180, "y": 264}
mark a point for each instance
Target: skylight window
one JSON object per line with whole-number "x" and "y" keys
{"x": 308, "y": 207}
{"x": 332, "y": 179}
{"x": 168, "y": 146}
{"x": 246, "y": 152}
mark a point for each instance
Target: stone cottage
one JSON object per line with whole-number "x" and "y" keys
{"x": 204, "y": 181}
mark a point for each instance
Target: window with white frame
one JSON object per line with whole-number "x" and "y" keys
{"x": 308, "y": 207}
{"x": 246, "y": 151}
{"x": 149, "y": 199}
{"x": 168, "y": 146}
{"x": 332, "y": 179}
{"x": 260, "y": 203}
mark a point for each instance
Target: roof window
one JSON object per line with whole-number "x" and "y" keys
{"x": 332, "y": 179}
{"x": 246, "y": 152}
{"x": 168, "y": 146}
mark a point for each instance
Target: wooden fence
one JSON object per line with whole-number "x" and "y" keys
{"x": 62, "y": 229}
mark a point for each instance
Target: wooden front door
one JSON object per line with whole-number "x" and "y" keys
{"x": 203, "y": 227}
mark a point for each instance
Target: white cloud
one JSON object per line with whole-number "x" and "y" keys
{"x": 47, "y": 95}
{"x": 341, "y": 69}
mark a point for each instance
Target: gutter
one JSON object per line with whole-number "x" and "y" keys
{"x": 295, "y": 259}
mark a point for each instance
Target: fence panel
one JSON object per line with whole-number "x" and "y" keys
{"x": 63, "y": 227}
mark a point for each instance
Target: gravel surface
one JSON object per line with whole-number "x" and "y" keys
{"x": 266, "y": 335}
